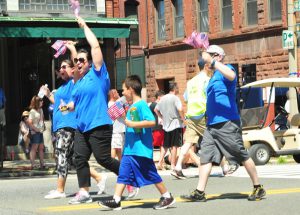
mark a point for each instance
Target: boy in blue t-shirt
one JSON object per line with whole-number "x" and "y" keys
{"x": 137, "y": 167}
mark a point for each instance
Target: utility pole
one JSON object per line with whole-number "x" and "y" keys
{"x": 292, "y": 27}
{"x": 293, "y": 70}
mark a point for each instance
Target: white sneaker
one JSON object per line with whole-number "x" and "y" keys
{"x": 54, "y": 194}
{"x": 132, "y": 194}
{"x": 101, "y": 185}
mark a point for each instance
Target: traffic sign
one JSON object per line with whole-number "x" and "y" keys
{"x": 287, "y": 39}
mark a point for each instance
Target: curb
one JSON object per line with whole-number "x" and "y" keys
{"x": 21, "y": 173}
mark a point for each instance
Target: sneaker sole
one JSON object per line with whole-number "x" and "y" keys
{"x": 177, "y": 176}
{"x": 165, "y": 207}
{"x": 114, "y": 209}
{"x": 77, "y": 203}
{"x": 57, "y": 197}
{"x": 258, "y": 198}
{"x": 193, "y": 200}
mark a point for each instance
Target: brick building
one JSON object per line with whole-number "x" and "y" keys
{"x": 248, "y": 30}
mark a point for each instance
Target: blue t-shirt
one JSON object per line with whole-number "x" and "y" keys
{"x": 60, "y": 120}
{"x": 90, "y": 99}
{"x": 2, "y": 98}
{"x": 139, "y": 144}
{"x": 221, "y": 94}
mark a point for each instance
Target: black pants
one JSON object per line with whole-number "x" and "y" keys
{"x": 98, "y": 142}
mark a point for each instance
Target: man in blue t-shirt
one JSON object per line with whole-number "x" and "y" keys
{"x": 223, "y": 136}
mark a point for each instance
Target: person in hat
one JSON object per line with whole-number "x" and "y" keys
{"x": 24, "y": 132}
{"x": 223, "y": 136}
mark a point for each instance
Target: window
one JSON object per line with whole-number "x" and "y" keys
{"x": 179, "y": 21}
{"x": 227, "y": 14}
{"x": 55, "y": 5}
{"x": 203, "y": 15}
{"x": 2, "y": 5}
{"x": 131, "y": 12}
{"x": 275, "y": 10}
{"x": 161, "y": 22}
{"x": 251, "y": 12}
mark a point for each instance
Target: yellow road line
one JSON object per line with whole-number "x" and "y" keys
{"x": 143, "y": 201}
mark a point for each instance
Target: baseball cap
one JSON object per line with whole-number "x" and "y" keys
{"x": 215, "y": 49}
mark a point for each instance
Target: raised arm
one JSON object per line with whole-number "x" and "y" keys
{"x": 218, "y": 65}
{"x": 71, "y": 46}
{"x": 96, "y": 53}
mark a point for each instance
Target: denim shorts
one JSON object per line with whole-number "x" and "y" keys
{"x": 37, "y": 138}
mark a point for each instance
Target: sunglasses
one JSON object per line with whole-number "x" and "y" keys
{"x": 214, "y": 54}
{"x": 81, "y": 60}
{"x": 64, "y": 67}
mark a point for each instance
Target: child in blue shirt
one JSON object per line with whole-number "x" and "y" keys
{"x": 137, "y": 167}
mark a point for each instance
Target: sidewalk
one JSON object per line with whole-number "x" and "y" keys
{"x": 21, "y": 168}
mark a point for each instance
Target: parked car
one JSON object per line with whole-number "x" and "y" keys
{"x": 259, "y": 135}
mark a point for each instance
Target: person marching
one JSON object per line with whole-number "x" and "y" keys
{"x": 223, "y": 136}
{"x": 94, "y": 126}
{"x": 64, "y": 125}
{"x": 137, "y": 166}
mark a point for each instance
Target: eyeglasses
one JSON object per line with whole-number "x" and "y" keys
{"x": 64, "y": 67}
{"x": 214, "y": 54}
{"x": 81, "y": 60}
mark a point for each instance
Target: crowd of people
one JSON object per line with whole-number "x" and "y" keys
{"x": 82, "y": 127}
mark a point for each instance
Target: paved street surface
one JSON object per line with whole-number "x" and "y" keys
{"x": 226, "y": 195}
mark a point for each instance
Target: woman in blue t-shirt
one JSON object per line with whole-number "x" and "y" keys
{"x": 89, "y": 101}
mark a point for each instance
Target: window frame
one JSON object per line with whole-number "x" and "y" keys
{"x": 136, "y": 27}
{"x": 270, "y": 12}
{"x": 247, "y": 14}
{"x": 222, "y": 16}
{"x": 199, "y": 17}
{"x": 175, "y": 19}
{"x": 157, "y": 21}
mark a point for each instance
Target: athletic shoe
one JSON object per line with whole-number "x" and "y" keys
{"x": 178, "y": 174}
{"x": 101, "y": 185}
{"x": 80, "y": 198}
{"x": 195, "y": 196}
{"x": 111, "y": 204}
{"x": 55, "y": 194}
{"x": 132, "y": 193}
{"x": 164, "y": 203}
{"x": 257, "y": 194}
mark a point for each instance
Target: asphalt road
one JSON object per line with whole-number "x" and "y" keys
{"x": 226, "y": 195}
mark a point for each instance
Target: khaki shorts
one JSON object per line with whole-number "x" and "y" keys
{"x": 194, "y": 129}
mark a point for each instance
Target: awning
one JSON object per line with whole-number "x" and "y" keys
{"x": 63, "y": 27}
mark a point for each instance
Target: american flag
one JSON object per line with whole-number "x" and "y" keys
{"x": 116, "y": 110}
{"x": 60, "y": 47}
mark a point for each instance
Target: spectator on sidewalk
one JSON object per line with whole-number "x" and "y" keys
{"x": 2, "y": 108}
{"x": 137, "y": 166}
{"x": 24, "y": 132}
{"x": 37, "y": 127}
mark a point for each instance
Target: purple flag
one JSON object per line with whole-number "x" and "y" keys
{"x": 75, "y": 5}
{"x": 197, "y": 40}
